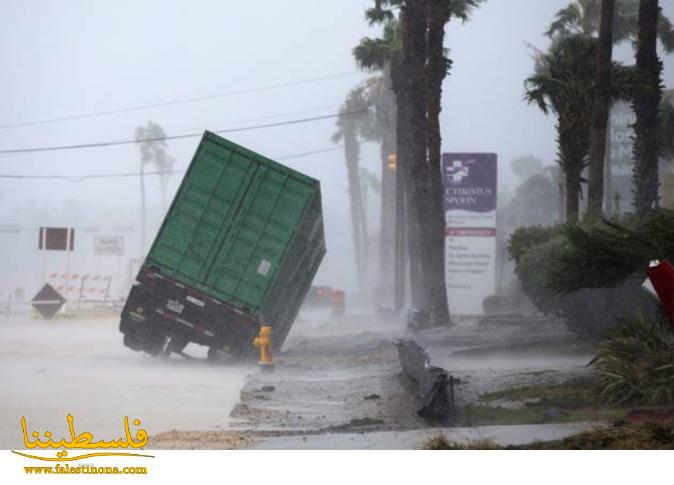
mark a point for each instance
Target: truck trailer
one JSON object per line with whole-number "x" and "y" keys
{"x": 237, "y": 250}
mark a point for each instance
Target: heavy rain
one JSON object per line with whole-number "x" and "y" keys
{"x": 391, "y": 224}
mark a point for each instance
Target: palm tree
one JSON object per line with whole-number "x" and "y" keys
{"x": 413, "y": 18}
{"x": 413, "y": 48}
{"x": 385, "y": 54}
{"x": 381, "y": 129}
{"x": 349, "y": 127}
{"x": 439, "y": 13}
{"x": 563, "y": 83}
{"x": 375, "y": 55}
{"x": 584, "y": 17}
{"x": 151, "y": 140}
{"x": 646, "y": 102}
{"x": 602, "y": 104}
{"x": 667, "y": 129}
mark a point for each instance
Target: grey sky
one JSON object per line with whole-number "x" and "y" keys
{"x": 73, "y": 57}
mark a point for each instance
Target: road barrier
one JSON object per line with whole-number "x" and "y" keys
{"x": 91, "y": 285}
{"x": 436, "y": 385}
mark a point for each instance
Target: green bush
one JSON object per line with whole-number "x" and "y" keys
{"x": 604, "y": 254}
{"x": 535, "y": 267}
{"x": 590, "y": 273}
{"x": 635, "y": 362}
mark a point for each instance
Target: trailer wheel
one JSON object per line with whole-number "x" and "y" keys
{"x": 175, "y": 344}
{"x": 132, "y": 343}
{"x": 156, "y": 344}
{"x": 219, "y": 356}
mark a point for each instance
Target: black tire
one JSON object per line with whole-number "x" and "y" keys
{"x": 155, "y": 345}
{"x": 175, "y": 344}
{"x": 218, "y": 356}
{"x": 131, "y": 342}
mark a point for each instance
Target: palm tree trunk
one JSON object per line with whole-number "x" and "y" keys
{"x": 414, "y": 61}
{"x": 572, "y": 195}
{"x": 573, "y": 141}
{"x": 602, "y": 101}
{"x": 436, "y": 70}
{"x": 351, "y": 151}
{"x": 386, "y": 113}
{"x": 646, "y": 105}
{"x": 407, "y": 257}
{"x": 387, "y": 214}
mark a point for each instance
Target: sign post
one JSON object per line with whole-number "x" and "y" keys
{"x": 469, "y": 181}
{"x": 109, "y": 245}
{"x": 48, "y": 301}
{"x": 56, "y": 239}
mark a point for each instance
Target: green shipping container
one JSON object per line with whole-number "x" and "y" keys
{"x": 238, "y": 249}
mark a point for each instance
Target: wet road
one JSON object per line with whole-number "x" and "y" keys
{"x": 51, "y": 368}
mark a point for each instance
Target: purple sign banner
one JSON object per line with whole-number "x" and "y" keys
{"x": 469, "y": 181}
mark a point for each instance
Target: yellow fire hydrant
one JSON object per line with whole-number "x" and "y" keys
{"x": 263, "y": 342}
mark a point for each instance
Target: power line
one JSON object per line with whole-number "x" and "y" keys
{"x": 179, "y": 101}
{"x": 84, "y": 177}
{"x": 177, "y": 137}
{"x": 261, "y": 118}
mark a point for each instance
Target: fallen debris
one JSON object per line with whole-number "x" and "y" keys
{"x": 436, "y": 385}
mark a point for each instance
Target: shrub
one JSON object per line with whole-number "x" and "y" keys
{"x": 635, "y": 362}
{"x": 440, "y": 442}
{"x": 590, "y": 273}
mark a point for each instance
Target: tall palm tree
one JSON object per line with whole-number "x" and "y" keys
{"x": 414, "y": 90}
{"x": 602, "y": 104}
{"x": 439, "y": 13}
{"x": 667, "y": 129}
{"x": 418, "y": 65}
{"x": 563, "y": 83}
{"x": 375, "y": 55}
{"x": 349, "y": 127}
{"x": 151, "y": 140}
{"x": 381, "y": 129}
{"x": 584, "y": 17}
{"x": 385, "y": 53}
{"x": 645, "y": 104}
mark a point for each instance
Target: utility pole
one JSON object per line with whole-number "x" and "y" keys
{"x": 142, "y": 208}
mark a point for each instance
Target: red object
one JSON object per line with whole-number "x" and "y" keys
{"x": 661, "y": 275}
{"x": 649, "y": 415}
{"x": 338, "y": 302}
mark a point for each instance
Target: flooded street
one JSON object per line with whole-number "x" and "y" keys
{"x": 337, "y": 385}
{"x": 50, "y": 369}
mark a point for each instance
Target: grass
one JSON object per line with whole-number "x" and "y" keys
{"x": 481, "y": 415}
{"x": 575, "y": 393}
{"x": 643, "y": 436}
{"x": 573, "y": 401}
{"x": 440, "y": 442}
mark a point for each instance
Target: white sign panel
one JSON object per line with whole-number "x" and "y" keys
{"x": 109, "y": 245}
{"x": 469, "y": 181}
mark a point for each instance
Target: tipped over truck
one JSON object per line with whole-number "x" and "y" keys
{"x": 237, "y": 250}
